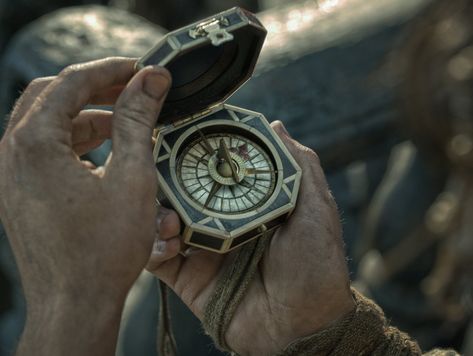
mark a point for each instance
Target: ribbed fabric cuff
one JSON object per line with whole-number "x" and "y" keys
{"x": 362, "y": 332}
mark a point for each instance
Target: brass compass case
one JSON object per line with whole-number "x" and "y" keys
{"x": 222, "y": 168}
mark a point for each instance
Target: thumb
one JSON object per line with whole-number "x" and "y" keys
{"x": 136, "y": 112}
{"x": 299, "y": 151}
{"x": 313, "y": 176}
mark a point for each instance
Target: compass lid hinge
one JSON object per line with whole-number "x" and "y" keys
{"x": 196, "y": 116}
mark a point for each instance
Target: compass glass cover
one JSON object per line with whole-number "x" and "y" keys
{"x": 226, "y": 173}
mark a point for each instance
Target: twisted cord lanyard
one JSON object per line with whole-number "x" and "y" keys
{"x": 166, "y": 342}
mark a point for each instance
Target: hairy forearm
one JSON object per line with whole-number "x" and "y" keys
{"x": 71, "y": 326}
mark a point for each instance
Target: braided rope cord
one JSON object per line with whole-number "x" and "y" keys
{"x": 231, "y": 288}
{"x": 166, "y": 342}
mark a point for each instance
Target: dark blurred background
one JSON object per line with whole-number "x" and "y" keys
{"x": 356, "y": 80}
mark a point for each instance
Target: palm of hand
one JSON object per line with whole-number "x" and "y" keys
{"x": 302, "y": 283}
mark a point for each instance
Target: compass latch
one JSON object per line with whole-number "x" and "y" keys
{"x": 214, "y": 29}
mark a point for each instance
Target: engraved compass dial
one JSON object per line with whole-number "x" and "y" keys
{"x": 226, "y": 173}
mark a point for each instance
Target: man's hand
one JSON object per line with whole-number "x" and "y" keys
{"x": 302, "y": 284}
{"x": 81, "y": 235}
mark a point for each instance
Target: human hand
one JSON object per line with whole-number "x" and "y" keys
{"x": 80, "y": 235}
{"x": 302, "y": 285}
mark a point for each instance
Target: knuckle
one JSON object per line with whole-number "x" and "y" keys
{"x": 309, "y": 153}
{"x": 139, "y": 170}
{"x": 41, "y": 103}
{"x": 69, "y": 70}
{"x": 28, "y": 97}
{"x": 279, "y": 128}
{"x": 37, "y": 83}
{"x": 73, "y": 72}
{"x": 277, "y": 125}
{"x": 108, "y": 61}
{"x": 141, "y": 99}
{"x": 313, "y": 155}
{"x": 135, "y": 113}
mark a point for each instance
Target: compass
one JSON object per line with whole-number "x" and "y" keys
{"x": 222, "y": 168}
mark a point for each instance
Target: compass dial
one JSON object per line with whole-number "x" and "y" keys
{"x": 226, "y": 173}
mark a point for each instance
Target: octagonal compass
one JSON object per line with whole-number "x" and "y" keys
{"x": 222, "y": 168}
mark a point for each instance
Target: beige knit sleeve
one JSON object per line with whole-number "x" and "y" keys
{"x": 365, "y": 331}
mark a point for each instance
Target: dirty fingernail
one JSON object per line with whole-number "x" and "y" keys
{"x": 159, "y": 247}
{"x": 162, "y": 213}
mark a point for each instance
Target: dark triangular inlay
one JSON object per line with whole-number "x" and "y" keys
{"x": 290, "y": 185}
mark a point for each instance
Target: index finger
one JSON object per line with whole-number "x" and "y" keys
{"x": 73, "y": 88}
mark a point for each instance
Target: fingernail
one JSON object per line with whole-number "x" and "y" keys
{"x": 162, "y": 213}
{"x": 156, "y": 83}
{"x": 159, "y": 247}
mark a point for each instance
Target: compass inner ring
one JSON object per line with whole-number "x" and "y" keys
{"x": 221, "y": 171}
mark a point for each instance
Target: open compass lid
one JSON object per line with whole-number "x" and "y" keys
{"x": 209, "y": 60}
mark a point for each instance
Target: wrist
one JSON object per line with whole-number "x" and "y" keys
{"x": 362, "y": 331}
{"x": 270, "y": 336}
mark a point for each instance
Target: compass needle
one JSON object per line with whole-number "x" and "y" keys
{"x": 206, "y": 144}
{"x": 232, "y": 191}
{"x": 224, "y": 153}
{"x": 215, "y": 188}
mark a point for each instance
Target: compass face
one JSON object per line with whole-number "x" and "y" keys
{"x": 226, "y": 173}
